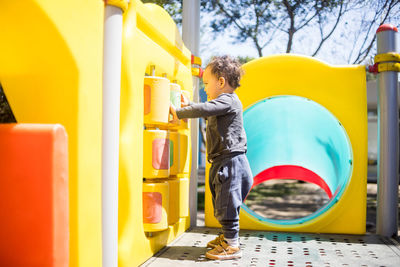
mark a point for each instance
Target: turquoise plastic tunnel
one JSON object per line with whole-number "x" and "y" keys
{"x": 291, "y": 137}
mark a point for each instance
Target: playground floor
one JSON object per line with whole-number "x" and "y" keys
{"x": 276, "y": 249}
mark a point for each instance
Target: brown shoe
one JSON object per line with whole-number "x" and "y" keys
{"x": 216, "y": 241}
{"x": 224, "y": 252}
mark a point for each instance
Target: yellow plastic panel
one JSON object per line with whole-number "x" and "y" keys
{"x": 156, "y": 104}
{"x": 174, "y": 152}
{"x": 183, "y": 197}
{"x": 156, "y": 154}
{"x": 51, "y": 71}
{"x": 341, "y": 90}
{"x": 179, "y": 199}
{"x": 155, "y": 205}
{"x": 150, "y": 38}
{"x": 173, "y": 213}
{"x": 184, "y": 155}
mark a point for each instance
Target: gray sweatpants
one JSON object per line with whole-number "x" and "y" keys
{"x": 230, "y": 182}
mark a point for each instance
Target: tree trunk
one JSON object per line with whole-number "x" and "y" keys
{"x": 259, "y": 49}
{"x": 291, "y": 30}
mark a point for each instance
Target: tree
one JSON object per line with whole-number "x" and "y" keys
{"x": 300, "y": 14}
{"x": 265, "y": 22}
{"x": 363, "y": 37}
{"x": 250, "y": 19}
{"x": 262, "y": 21}
{"x": 300, "y": 26}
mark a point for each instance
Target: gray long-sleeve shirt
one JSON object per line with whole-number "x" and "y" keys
{"x": 225, "y": 133}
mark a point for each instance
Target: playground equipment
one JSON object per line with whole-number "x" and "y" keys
{"x": 315, "y": 126}
{"x": 153, "y": 56}
{"x": 57, "y": 79}
{"x": 34, "y": 195}
{"x": 387, "y": 61}
{"x": 191, "y": 37}
{"x": 110, "y": 129}
{"x": 311, "y": 127}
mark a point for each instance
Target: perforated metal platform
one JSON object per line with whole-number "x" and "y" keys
{"x": 276, "y": 249}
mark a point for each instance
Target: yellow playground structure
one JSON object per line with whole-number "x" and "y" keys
{"x": 307, "y": 119}
{"x": 314, "y": 130}
{"x": 51, "y": 72}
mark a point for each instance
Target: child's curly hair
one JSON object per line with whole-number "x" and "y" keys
{"x": 227, "y": 67}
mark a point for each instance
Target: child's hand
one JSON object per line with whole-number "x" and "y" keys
{"x": 184, "y": 100}
{"x": 172, "y": 111}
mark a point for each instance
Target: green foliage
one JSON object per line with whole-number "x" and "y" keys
{"x": 244, "y": 59}
{"x": 371, "y": 76}
{"x": 201, "y": 198}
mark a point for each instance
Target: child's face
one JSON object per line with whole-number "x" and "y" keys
{"x": 212, "y": 85}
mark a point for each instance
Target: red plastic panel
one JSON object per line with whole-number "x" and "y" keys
{"x": 34, "y": 229}
{"x": 160, "y": 156}
{"x": 152, "y": 207}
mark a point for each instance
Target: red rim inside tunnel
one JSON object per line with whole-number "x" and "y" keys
{"x": 292, "y": 172}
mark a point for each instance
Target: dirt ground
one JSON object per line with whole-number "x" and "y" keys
{"x": 289, "y": 199}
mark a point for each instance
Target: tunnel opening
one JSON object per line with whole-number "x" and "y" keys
{"x": 286, "y": 199}
{"x": 294, "y": 140}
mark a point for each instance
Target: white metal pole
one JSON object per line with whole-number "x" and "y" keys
{"x": 191, "y": 37}
{"x": 110, "y": 133}
{"x": 388, "y": 136}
